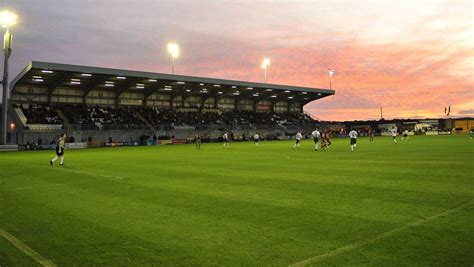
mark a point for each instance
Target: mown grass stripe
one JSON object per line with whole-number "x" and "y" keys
{"x": 111, "y": 177}
{"x": 376, "y": 238}
{"x": 26, "y": 249}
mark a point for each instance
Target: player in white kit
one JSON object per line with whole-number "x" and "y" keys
{"x": 353, "y": 136}
{"x": 405, "y": 135}
{"x": 316, "y": 135}
{"x": 298, "y": 138}
{"x": 256, "y": 139}
{"x": 394, "y": 134}
{"x": 59, "y": 150}
{"x": 225, "y": 137}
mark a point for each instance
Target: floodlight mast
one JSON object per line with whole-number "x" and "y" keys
{"x": 331, "y": 72}
{"x": 7, "y": 19}
{"x": 173, "y": 49}
{"x": 265, "y": 64}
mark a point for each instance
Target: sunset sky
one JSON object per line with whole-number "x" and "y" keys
{"x": 412, "y": 58}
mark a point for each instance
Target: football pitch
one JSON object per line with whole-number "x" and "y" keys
{"x": 385, "y": 204}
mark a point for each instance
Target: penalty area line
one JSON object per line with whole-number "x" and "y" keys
{"x": 111, "y": 177}
{"x": 376, "y": 238}
{"x": 38, "y": 186}
{"x": 26, "y": 249}
{"x": 95, "y": 174}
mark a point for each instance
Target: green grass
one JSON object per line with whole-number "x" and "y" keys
{"x": 270, "y": 205}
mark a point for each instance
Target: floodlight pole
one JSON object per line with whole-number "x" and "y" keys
{"x": 265, "y": 71}
{"x": 330, "y": 82}
{"x": 7, "y": 50}
{"x": 172, "y": 66}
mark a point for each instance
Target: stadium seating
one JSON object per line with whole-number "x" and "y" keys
{"x": 101, "y": 118}
{"x": 125, "y": 116}
{"x": 222, "y": 119}
{"x": 77, "y": 114}
{"x": 38, "y": 114}
{"x": 129, "y": 117}
{"x": 179, "y": 118}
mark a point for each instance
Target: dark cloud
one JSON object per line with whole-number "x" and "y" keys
{"x": 469, "y": 112}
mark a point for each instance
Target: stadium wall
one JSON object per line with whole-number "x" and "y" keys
{"x": 463, "y": 126}
{"x": 97, "y": 137}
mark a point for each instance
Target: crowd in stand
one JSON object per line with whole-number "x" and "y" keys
{"x": 77, "y": 114}
{"x": 266, "y": 118}
{"x": 125, "y": 116}
{"x": 128, "y": 117}
{"x": 100, "y": 117}
{"x": 229, "y": 118}
{"x": 37, "y": 114}
{"x": 178, "y": 118}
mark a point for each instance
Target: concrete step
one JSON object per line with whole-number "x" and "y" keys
{"x": 66, "y": 122}
{"x": 21, "y": 116}
{"x": 7, "y": 148}
{"x": 144, "y": 120}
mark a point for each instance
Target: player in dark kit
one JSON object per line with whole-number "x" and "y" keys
{"x": 326, "y": 141}
{"x": 198, "y": 139}
{"x": 371, "y": 135}
{"x": 59, "y": 150}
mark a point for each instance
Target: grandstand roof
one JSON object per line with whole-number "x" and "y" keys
{"x": 55, "y": 75}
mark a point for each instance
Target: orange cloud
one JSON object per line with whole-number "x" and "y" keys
{"x": 411, "y": 58}
{"x": 407, "y": 79}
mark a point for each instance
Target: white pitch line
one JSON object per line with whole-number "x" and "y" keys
{"x": 76, "y": 171}
{"x": 95, "y": 174}
{"x": 368, "y": 241}
{"x": 37, "y": 186}
{"x": 26, "y": 249}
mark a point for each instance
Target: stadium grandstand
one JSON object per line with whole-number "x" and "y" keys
{"x": 101, "y": 105}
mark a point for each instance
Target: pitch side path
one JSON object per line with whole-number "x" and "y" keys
{"x": 383, "y": 205}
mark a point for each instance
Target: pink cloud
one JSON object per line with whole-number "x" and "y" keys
{"x": 411, "y": 59}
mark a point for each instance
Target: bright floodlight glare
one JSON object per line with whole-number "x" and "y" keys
{"x": 7, "y": 18}
{"x": 265, "y": 63}
{"x": 173, "y": 49}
